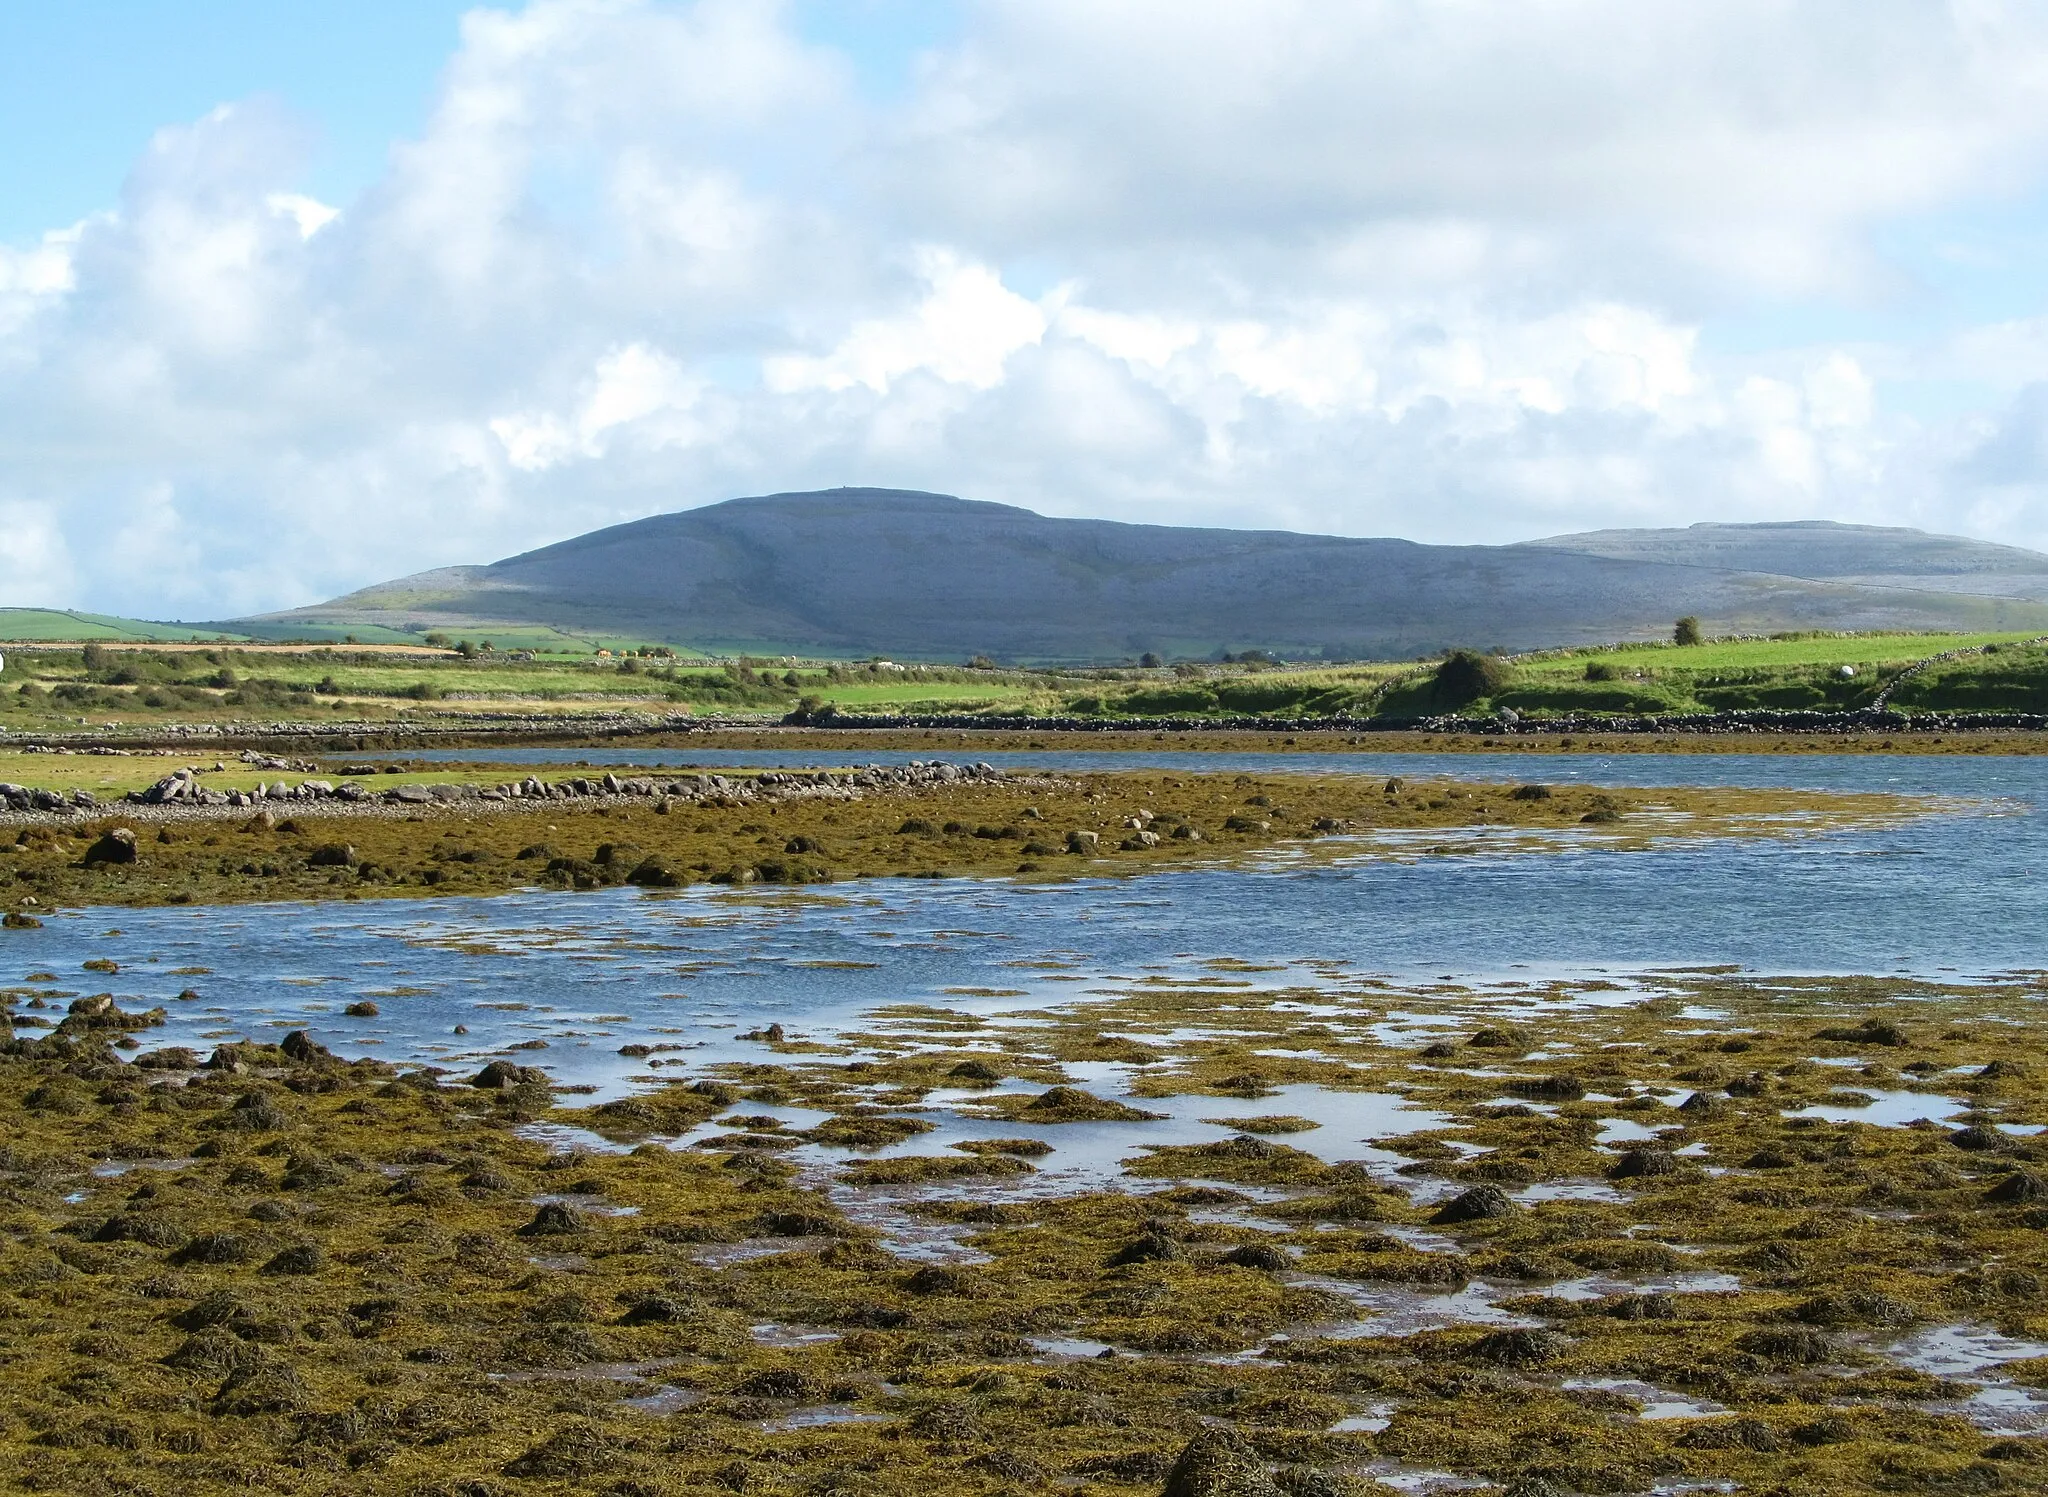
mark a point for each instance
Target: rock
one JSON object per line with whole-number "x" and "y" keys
{"x": 654, "y": 873}
{"x": 1979, "y": 1139}
{"x": 213, "y": 1249}
{"x": 1790, "y": 1346}
{"x": 659, "y": 1309}
{"x": 1500, "y": 1037}
{"x": 977, "y": 1071}
{"x": 1856, "y": 1307}
{"x": 298, "y": 1048}
{"x": 1083, "y": 841}
{"x": 252, "y": 1113}
{"x": 1139, "y": 841}
{"x": 2020, "y": 1188}
{"x": 1869, "y": 1032}
{"x": 263, "y": 1383}
{"x": 303, "y": 1258}
{"x": 332, "y": 855}
{"x": 498, "y": 1074}
{"x": 554, "y": 1219}
{"x": 1480, "y": 1203}
{"x": 116, "y": 846}
{"x": 1639, "y": 1163}
{"x": 1157, "y": 1244}
{"x": 1522, "y": 1347}
{"x": 1260, "y": 1255}
{"x": 1219, "y": 1463}
{"x": 362, "y": 1009}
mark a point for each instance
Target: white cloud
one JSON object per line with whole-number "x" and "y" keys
{"x": 1450, "y": 272}
{"x": 309, "y": 214}
{"x": 963, "y": 331}
{"x": 634, "y": 386}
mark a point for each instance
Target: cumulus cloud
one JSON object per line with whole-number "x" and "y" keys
{"x": 1448, "y": 272}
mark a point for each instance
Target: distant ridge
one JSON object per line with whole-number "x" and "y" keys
{"x": 927, "y": 576}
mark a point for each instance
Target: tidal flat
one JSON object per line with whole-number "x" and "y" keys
{"x": 738, "y": 833}
{"x": 1680, "y": 1231}
{"x": 1193, "y": 1221}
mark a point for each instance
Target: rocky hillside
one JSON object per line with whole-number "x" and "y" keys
{"x": 925, "y": 576}
{"x": 1873, "y": 555}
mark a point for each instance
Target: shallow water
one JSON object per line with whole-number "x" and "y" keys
{"x": 575, "y": 976}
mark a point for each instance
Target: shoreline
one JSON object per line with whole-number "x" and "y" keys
{"x": 818, "y": 830}
{"x": 571, "y": 734}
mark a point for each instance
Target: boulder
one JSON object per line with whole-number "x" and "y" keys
{"x": 1480, "y": 1203}
{"x": 116, "y": 846}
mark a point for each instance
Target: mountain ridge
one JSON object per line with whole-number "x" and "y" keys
{"x": 860, "y": 571}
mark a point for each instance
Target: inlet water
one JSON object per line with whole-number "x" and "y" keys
{"x": 575, "y": 976}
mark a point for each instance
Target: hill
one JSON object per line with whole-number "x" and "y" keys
{"x": 36, "y": 625}
{"x": 854, "y": 572}
{"x": 1869, "y": 555}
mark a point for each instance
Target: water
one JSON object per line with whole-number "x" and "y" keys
{"x": 578, "y": 975}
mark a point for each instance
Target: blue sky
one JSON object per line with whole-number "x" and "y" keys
{"x": 295, "y": 298}
{"x": 84, "y": 84}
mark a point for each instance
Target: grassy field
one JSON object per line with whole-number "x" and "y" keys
{"x": 49, "y": 689}
{"x": 65, "y": 625}
{"x": 123, "y": 684}
{"x": 1837, "y": 672}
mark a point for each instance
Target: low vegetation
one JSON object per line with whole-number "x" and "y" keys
{"x": 133, "y": 686}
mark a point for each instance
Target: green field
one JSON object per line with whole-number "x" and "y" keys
{"x": 125, "y": 682}
{"x": 1803, "y": 672}
{"x": 58, "y": 624}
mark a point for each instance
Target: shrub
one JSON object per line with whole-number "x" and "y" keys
{"x": 1465, "y": 676}
{"x": 1686, "y": 631}
{"x": 1600, "y": 670}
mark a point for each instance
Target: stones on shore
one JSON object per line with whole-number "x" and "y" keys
{"x": 183, "y": 788}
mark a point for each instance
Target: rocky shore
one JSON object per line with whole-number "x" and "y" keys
{"x": 185, "y": 790}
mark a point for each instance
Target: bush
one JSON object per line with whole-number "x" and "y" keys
{"x": 1600, "y": 670}
{"x": 1686, "y": 631}
{"x": 1464, "y": 676}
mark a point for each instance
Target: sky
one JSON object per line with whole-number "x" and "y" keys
{"x": 295, "y": 299}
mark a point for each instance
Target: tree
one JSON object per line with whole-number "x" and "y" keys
{"x": 1686, "y": 631}
{"x": 1465, "y": 676}
{"x": 95, "y": 657}
{"x": 1150, "y": 661}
